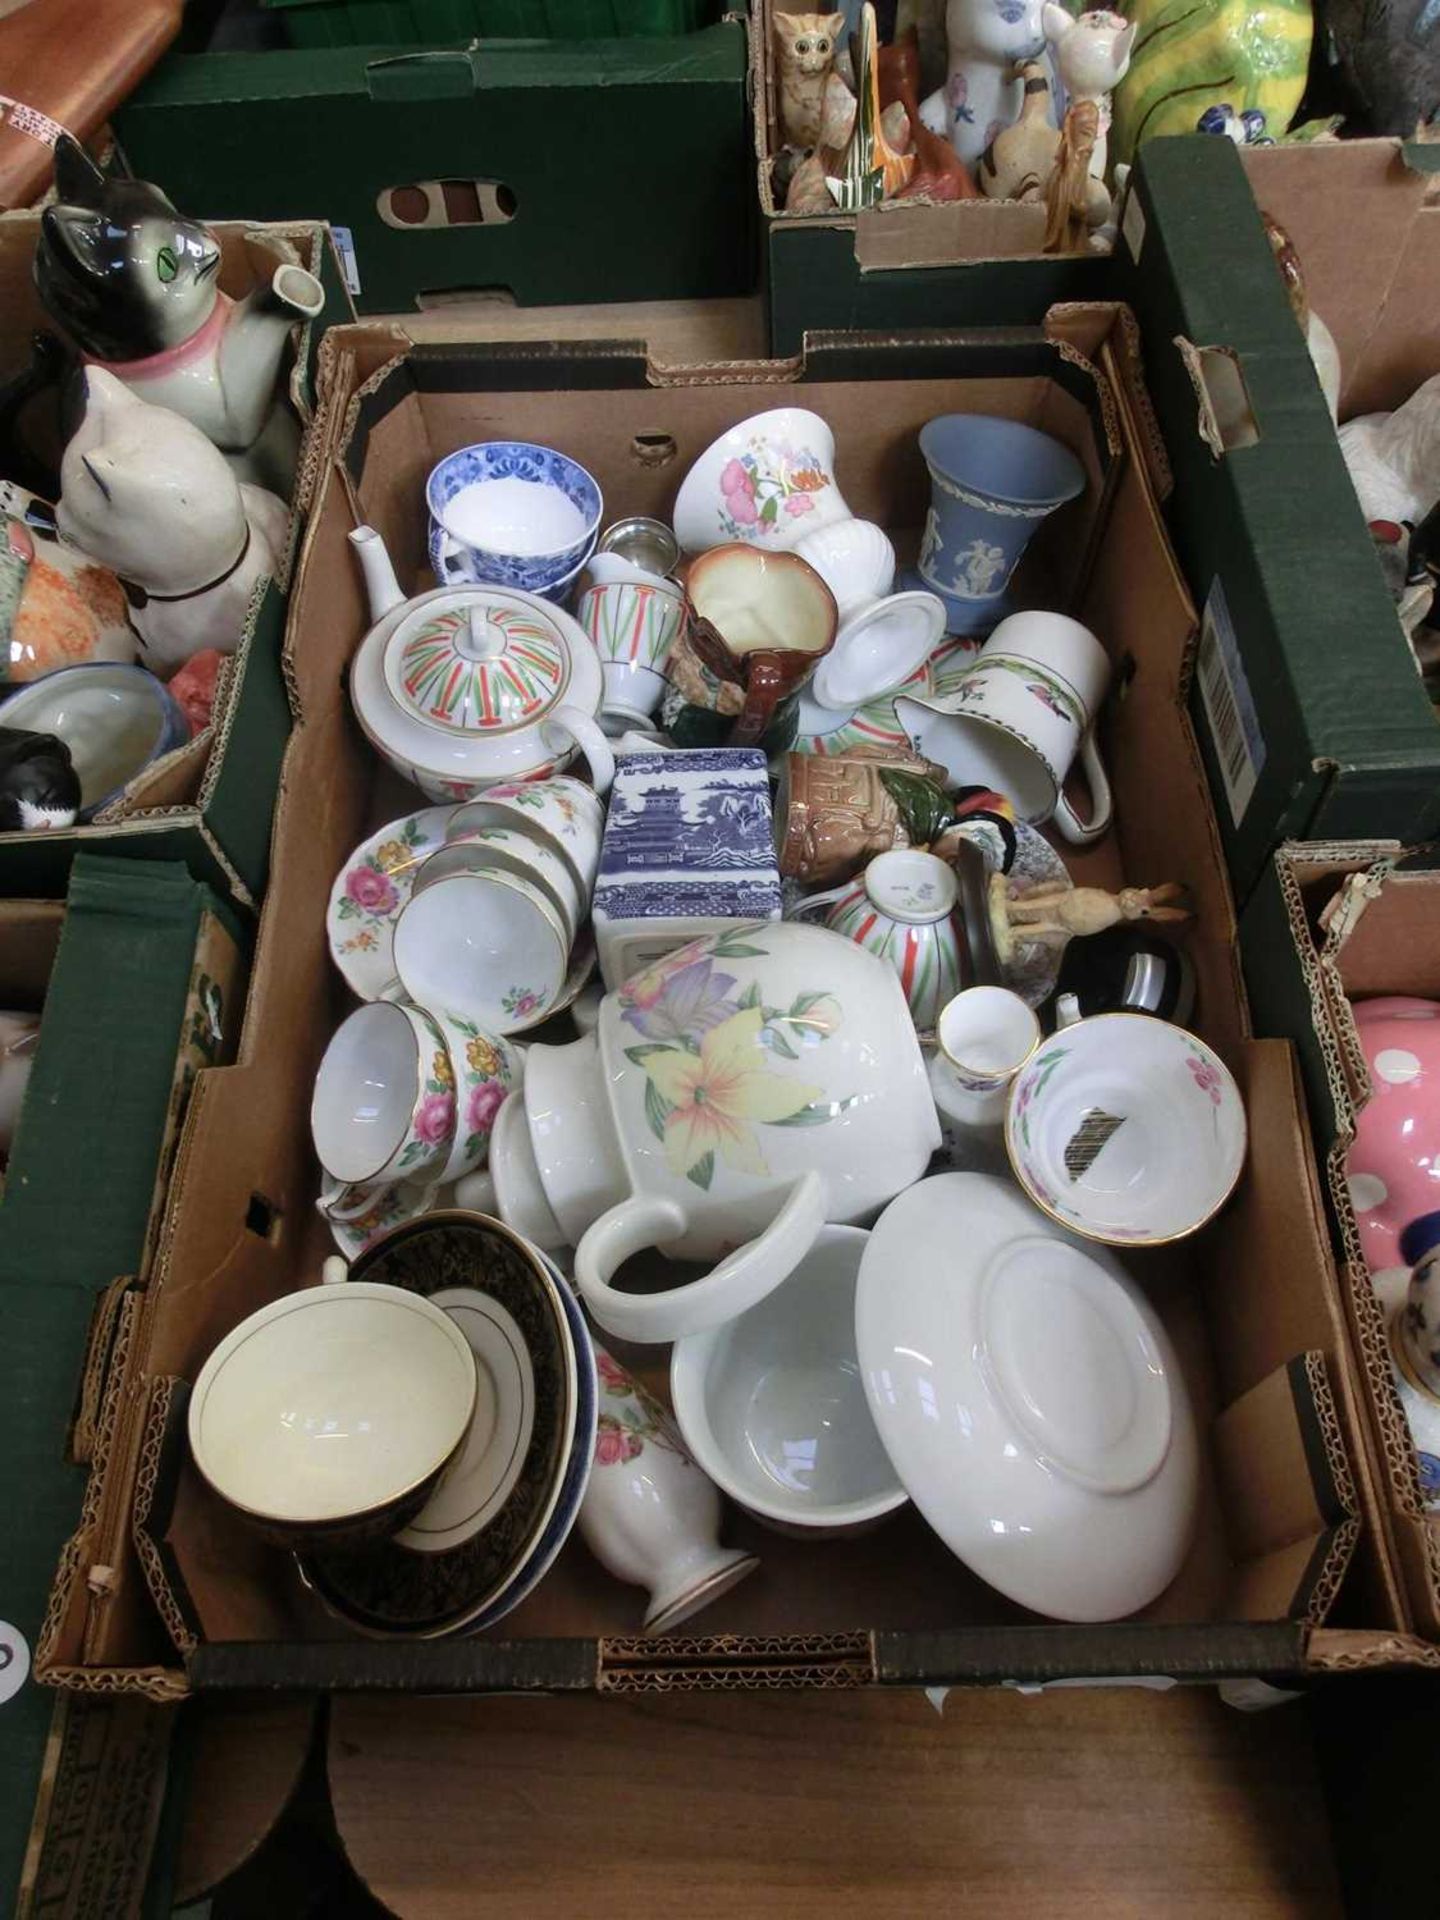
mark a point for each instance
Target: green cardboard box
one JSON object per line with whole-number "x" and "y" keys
{"x": 563, "y": 171}
{"x": 140, "y": 975}
{"x": 209, "y": 804}
{"x": 1306, "y": 698}
{"x": 975, "y": 263}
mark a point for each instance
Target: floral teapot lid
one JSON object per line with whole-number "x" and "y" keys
{"x": 477, "y": 661}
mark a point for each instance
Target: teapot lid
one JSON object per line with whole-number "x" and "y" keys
{"x": 478, "y": 661}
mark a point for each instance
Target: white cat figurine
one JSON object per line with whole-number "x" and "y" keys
{"x": 1092, "y": 57}
{"x": 146, "y": 493}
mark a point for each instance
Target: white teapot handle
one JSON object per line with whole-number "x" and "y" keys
{"x": 742, "y": 1278}
{"x": 568, "y": 724}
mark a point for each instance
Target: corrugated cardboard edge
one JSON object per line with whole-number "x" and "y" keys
{"x": 158, "y": 1581}
{"x": 737, "y": 1663}
{"x": 1349, "y": 1650}
{"x": 1413, "y": 1539}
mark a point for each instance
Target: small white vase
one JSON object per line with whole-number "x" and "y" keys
{"x": 649, "y": 1515}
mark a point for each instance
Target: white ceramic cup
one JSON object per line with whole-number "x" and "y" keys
{"x": 510, "y": 849}
{"x": 985, "y": 1035}
{"x": 1019, "y": 717}
{"x": 562, "y": 811}
{"x": 634, "y": 628}
{"x": 485, "y": 947}
{"x": 384, "y": 1102}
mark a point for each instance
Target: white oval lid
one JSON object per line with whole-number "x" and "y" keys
{"x": 1028, "y": 1398}
{"x": 478, "y": 661}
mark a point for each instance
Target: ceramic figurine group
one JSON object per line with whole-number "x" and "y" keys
{"x": 1023, "y": 114}
{"x": 119, "y": 601}
{"x": 794, "y": 799}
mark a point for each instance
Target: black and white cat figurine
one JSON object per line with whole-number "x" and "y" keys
{"x": 135, "y": 285}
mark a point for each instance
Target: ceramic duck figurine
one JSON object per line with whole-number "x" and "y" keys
{"x": 982, "y": 94}
{"x": 134, "y": 285}
{"x": 1092, "y": 57}
{"x": 1394, "y": 458}
{"x": 147, "y": 495}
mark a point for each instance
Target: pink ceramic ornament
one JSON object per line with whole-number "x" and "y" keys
{"x": 1394, "y": 1165}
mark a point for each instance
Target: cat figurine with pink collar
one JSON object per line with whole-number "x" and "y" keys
{"x": 135, "y": 286}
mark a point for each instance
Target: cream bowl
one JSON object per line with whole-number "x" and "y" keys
{"x": 328, "y": 1416}
{"x": 1126, "y": 1129}
{"x": 772, "y": 1404}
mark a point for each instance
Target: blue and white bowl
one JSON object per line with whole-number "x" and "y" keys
{"x": 527, "y": 516}
{"x": 456, "y": 566}
{"x": 116, "y": 720}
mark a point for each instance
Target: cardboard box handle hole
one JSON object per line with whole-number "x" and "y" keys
{"x": 448, "y": 203}
{"x": 262, "y": 1217}
{"x": 653, "y": 449}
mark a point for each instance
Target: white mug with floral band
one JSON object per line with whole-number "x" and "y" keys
{"x": 384, "y": 1102}
{"x": 1018, "y": 718}
{"x": 736, "y": 1094}
{"x": 985, "y": 1035}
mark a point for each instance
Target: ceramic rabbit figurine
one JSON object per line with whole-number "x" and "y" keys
{"x": 982, "y": 93}
{"x": 146, "y": 494}
{"x": 1092, "y": 57}
{"x": 134, "y": 285}
{"x": 1058, "y": 914}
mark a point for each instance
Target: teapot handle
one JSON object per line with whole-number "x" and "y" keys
{"x": 742, "y": 1278}
{"x": 814, "y": 902}
{"x": 587, "y": 736}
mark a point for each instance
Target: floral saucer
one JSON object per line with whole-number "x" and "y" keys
{"x": 369, "y": 892}
{"x": 1035, "y": 967}
{"x": 393, "y": 1206}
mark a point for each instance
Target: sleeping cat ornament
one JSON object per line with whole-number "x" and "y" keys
{"x": 144, "y": 492}
{"x": 135, "y": 285}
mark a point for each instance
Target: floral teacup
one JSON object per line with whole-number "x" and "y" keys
{"x": 769, "y": 481}
{"x": 562, "y": 811}
{"x": 384, "y": 1100}
{"x": 1126, "y": 1129}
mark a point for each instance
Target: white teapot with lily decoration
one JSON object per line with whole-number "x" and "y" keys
{"x": 736, "y": 1095}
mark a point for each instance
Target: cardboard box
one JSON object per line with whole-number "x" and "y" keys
{"x": 209, "y": 804}
{"x": 1335, "y": 924}
{"x": 975, "y": 263}
{"x": 1306, "y": 699}
{"x": 580, "y": 171}
{"x": 193, "y": 1601}
{"x": 140, "y": 973}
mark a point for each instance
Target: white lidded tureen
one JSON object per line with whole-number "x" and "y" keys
{"x": 467, "y": 686}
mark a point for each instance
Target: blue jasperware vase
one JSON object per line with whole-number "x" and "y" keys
{"x": 992, "y": 482}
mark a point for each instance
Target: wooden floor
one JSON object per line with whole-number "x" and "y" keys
{"x": 1074, "y": 1803}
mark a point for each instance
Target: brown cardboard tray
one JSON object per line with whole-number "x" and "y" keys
{"x": 1362, "y": 926}
{"x": 193, "y": 1601}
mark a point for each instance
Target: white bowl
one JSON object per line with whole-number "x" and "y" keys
{"x": 330, "y": 1414}
{"x": 380, "y": 1111}
{"x": 772, "y": 1404}
{"x": 1126, "y": 1129}
{"x": 1029, "y": 1399}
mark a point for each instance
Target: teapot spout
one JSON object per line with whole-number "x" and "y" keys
{"x": 380, "y": 582}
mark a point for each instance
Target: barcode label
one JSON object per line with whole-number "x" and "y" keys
{"x": 1229, "y": 709}
{"x": 349, "y": 265}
